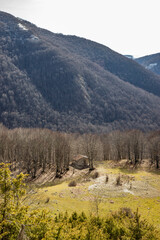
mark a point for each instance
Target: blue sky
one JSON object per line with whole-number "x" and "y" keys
{"x": 126, "y": 26}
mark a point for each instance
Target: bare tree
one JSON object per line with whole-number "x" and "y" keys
{"x": 154, "y": 149}
{"x": 106, "y": 146}
{"x": 136, "y": 146}
{"x": 90, "y": 147}
{"x": 62, "y": 153}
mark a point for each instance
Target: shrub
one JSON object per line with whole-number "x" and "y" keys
{"x": 126, "y": 211}
{"x": 72, "y": 184}
{"x": 107, "y": 178}
{"x": 95, "y": 175}
{"x": 47, "y": 200}
{"x": 118, "y": 181}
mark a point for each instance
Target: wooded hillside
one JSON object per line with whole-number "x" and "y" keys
{"x": 71, "y": 84}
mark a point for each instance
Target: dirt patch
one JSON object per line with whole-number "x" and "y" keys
{"x": 128, "y": 185}
{"x": 50, "y": 177}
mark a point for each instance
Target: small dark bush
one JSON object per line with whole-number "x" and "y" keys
{"x": 95, "y": 175}
{"x": 47, "y": 200}
{"x": 107, "y": 178}
{"x": 72, "y": 184}
{"x": 118, "y": 181}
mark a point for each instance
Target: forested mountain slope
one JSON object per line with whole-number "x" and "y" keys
{"x": 150, "y": 62}
{"x": 69, "y": 83}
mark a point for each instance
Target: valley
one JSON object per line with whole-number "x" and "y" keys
{"x": 79, "y": 138}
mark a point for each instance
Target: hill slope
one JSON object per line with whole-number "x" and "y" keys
{"x": 151, "y": 62}
{"x": 71, "y": 84}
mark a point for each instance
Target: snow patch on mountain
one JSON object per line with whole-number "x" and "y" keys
{"x": 33, "y": 38}
{"x": 151, "y": 66}
{"x": 22, "y": 27}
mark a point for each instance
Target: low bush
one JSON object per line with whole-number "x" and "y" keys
{"x": 95, "y": 175}
{"x": 118, "y": 181}
{"x": 107, "y": 178}
{"x": 72, "y": 184}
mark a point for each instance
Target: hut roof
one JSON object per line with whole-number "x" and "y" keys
{"x": 79, "y": 156}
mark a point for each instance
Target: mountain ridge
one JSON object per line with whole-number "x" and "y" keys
{"x": 75, "y": 84}
{"x": 150, "y": 62}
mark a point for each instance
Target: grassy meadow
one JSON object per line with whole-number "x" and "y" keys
{"x": 95, "y": 195}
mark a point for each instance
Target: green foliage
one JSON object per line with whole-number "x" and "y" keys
{"x": 141, "y": 229}
{"x": 117, "y": 226}
{"x": 12, "y": 214}
{"x": 38, "y": 224}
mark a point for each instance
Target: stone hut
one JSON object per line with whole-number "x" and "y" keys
{"x": 80, "y": 162}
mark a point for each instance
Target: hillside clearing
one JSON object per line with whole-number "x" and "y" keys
{"x": 138, "y": 189}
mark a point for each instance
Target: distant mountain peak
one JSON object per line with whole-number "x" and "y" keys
{"x": 150, "y": 62}
{"x": 129, "y": 56}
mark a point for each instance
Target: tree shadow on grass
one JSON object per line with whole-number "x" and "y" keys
{"x": 128, "y": 170}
